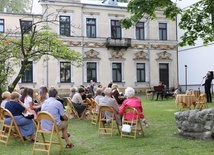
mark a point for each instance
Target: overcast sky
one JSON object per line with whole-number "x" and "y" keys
{"x": 37, "y": 9}
{"x": 184, "y": 3}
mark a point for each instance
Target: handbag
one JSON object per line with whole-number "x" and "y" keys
{"x": 126, "y": 127}
{"x": 28, "y": 115}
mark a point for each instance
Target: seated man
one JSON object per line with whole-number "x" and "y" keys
{"x": 78, "y": 102}
{"x": 159, "y": 90}
{"x": 110, "y": 102}
{"x": 55, "y": 108}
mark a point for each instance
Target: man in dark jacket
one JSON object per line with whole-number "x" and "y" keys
{"x": 207, "y": 86}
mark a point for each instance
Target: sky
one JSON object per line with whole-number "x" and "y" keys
{"x": 36, "y": 9}
{"x": 184, "y": 3}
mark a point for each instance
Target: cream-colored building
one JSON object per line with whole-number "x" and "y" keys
{"x": 139, "y": 57}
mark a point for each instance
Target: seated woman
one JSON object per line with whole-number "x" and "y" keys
{"x": 29, "y": 103}
{"x": 78, "y": 103}
{"x": 134, "y": 102}
{"x": 115, "y": 94}
{"x": 6, "y": 97}
{"x": 177, "y": 90}
{"x": 26, "y": 126}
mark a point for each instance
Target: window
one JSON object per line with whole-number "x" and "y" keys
{"x": 65, "y": 72}
{"x": 1, "y": 25}
{"x": 116, "y": 29}
{"x": 91, "y": 27}
{"x": 26, "y": 26}
{"x": 162, "y": 31}
{"x": 64, "y": 25}
{"x": 28, "y": 74}
{"x": 117, "y": 72}
{"x": 140, "y": 31}
{"x": 140, "y": 72}
{"x": 91, "y": 71}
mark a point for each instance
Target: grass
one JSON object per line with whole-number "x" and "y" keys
{"x": 161, "y": 138}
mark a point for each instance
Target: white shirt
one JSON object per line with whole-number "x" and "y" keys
{"x": 28, "y": 100}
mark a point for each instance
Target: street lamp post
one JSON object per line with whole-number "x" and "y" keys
{"x": 186, "y": 77}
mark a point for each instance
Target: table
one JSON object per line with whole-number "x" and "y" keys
{"x": 185, "y": 100}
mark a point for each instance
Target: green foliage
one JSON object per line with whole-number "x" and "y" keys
{"x": 30, "y": 47}
{"x": 147, "y": 9}
{"x": 197, "y": 21}
{"x": 16, "y": 6}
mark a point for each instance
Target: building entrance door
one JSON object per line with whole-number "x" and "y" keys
{"x": 164, "y": 73}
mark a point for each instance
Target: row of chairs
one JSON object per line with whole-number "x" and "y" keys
{"x": 107, "y": 128}
{"x": 44, "y": 139}
{"x": 41, "y": 144}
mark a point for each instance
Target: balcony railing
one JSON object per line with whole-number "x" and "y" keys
{"x": 118, "y": 43}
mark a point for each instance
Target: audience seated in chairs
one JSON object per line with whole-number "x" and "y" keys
{"x": 6, "y": 97}
{"x": 26, "y": 126}
{"x": 110, "y": 102}
{"x": 116, "y": 94}
{"x": 55, "y": 108}
{"x": 99, "y": 95}
{"x": 78, "y": 102}
{"x": 29, "y": 103}
{"x": 134, "y": 102}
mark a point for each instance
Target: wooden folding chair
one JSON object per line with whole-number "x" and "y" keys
{"x": 88, "y": 108}
{"x": 202, "y": 102}
{"x": 8, "y": 130}
{"x": 106, "y": 128}
{"x": 45, "y": 145}
{"x": 149, "y": 94}
{"x": 135, "y": 123}
{"x": 1, "y": 118}
{"x": 71, "y": 109}
{"x": 94, "y": 114}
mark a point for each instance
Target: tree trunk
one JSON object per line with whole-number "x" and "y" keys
{"x": 18, "y": 77}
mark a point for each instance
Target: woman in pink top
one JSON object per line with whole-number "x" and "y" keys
{"x": 134, "y": 102}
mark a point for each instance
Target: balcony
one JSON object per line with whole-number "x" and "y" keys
{"x": 118, "y": 43}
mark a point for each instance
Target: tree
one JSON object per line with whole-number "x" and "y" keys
{"x": 28, "y": 47}
{"x": 197, "y": 21}
{"x": 16, "y": 6}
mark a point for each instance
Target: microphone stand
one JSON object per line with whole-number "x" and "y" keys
{"x": 201, "y": 84}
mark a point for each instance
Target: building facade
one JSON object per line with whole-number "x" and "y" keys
{"x": 139, "y": 57}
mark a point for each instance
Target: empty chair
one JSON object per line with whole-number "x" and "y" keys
{"x": 149, "y": 94}
{"x": 202, "y": 102}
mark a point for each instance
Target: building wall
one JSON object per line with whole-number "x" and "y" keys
{"x": 198, "y": 59}
{"x": 150, "y": 51}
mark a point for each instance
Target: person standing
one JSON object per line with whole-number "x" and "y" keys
{"x": 91, "y": 88}
{"x": 207, "y": 86}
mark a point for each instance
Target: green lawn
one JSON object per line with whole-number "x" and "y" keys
{"x": 160, "y": 138}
